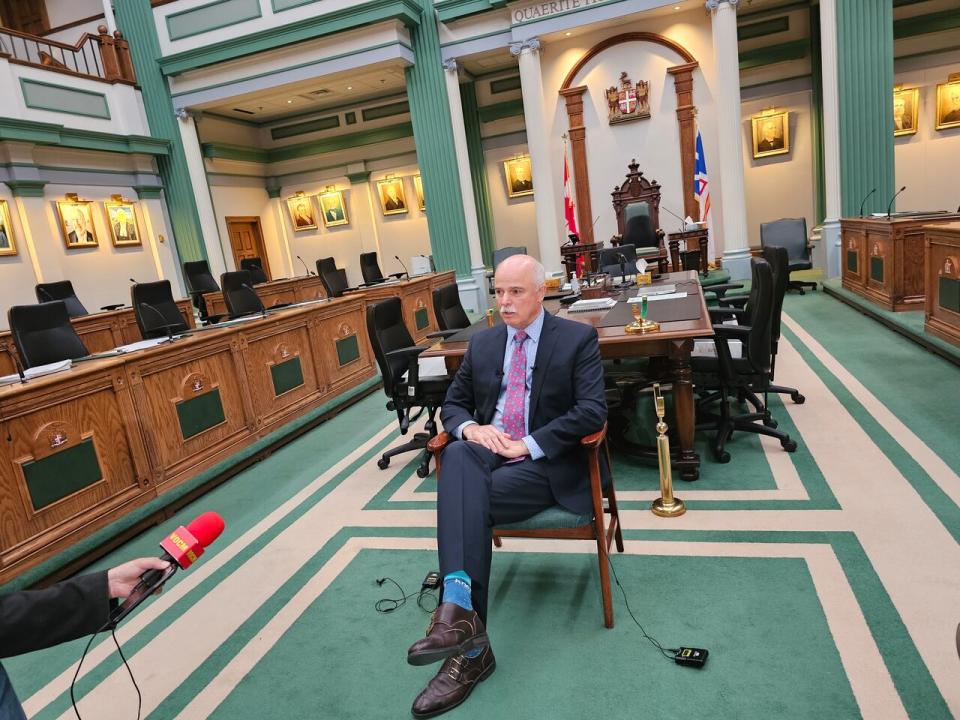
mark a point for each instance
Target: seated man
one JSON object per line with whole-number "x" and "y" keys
{"x": 525, "y": 395}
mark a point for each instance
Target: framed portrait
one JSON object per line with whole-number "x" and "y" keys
{"x": 302, "y": 215}
{"x": 418, "y": 186}
{"x": 332, "y": 208}
{"x": 392, "y": 200}
{"x": 8, "y": 246}
{"x": 771, "y": 134}
{"x": 948, "y": 105}
{"x": 122, "y": 219}
{"x": 518, "y": 174}
{"x": 76, "y": 223}
{"x": 906, "y": 109}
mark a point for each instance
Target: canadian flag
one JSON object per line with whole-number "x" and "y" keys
{"x": 569, "y": 210}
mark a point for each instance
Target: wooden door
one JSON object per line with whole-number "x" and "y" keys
{"x": 246, "y": 241}
{"x": 26, "y": 16}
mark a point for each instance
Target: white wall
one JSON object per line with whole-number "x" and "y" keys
{"x": 239, "y": 201}
{"x": 514, "y": 219}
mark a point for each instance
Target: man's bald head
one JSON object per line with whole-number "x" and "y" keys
{"x": 519, "y": 283}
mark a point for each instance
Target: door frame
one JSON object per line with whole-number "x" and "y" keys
{"x": 255, "y": 219}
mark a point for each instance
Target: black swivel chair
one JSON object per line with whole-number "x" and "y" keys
{"x": 199, "y": 281}
{"x": 43, "y": 333}
{"x": 62, "y": 290}
{"x": 370, "y": 268}
{"x": 156, "y": 311}
{"x": 790, "y": 233}
{"x": 451, "y": 317}
{"x": 326, "y": 264}
{"x": 396, "y": 354}
{"x": 610, "y": 260}
{"x": 238, "y": 294}
{"x": 334, "y": 279}
{"x": 254, "y": 266}
{"x": 780, "y": 263}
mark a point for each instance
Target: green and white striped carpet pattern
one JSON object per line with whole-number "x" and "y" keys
{"x": 824, "y": 583}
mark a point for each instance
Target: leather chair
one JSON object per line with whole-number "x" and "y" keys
{"x": 451, "y": 317}
{"x": 636, "y": 204}
{"x": 558, "y": 523}
{"x": 334, "y": 279}
{"x": 370, "y": 269}
{"x": 156, "y": 311}
{"x": 43, "y": 333}
{"x": 254, "y": 266}
{"x": 397, "y": 354}
{"x": 790, "y": 233}
{"x": 62, "y": 290}
{"x": 610, "y": 260}
{"x": 780, "y": 264}
{"x": 199, "y": 281}
{"x": 326, "y": 264}
{"x": 238, "y": 294}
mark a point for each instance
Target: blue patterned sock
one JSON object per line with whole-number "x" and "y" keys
{"x": 456, "y": 589}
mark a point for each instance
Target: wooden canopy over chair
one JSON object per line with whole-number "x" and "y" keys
{"x": 636, "y": 203}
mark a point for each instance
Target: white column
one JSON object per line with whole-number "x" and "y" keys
{"x": 201, "y": 190}
{"x": 831, "y": 136}
{"x": 473, "y": 292}
{"x": 109, "y": 20}
{"x": 734, "y": 238}
{"x": 549, "y": 233}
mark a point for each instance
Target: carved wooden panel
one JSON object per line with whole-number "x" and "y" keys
{"x": 910, "y": 263}
{"x": 342, "y": 347}
{"x": 281, "y": 374}
{"x": 942, "y": 270}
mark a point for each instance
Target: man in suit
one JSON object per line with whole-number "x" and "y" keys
{"x": 770, "y": 141}
{"x": 80, "y": 235}
{"x": 302, "y": 217}
{"x": 526, "y": 393}
{"x": 36, "y": 619}
{"x": 902, "y": 119}
{"x": 952, "y": 113}
{"x": 394, "y": 201}
{"x": 521, "y": 178}
{"x": 123, "y": 229}
{"x": 333, "y": 213}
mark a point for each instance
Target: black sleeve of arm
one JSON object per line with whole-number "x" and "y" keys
{"x": 458, "y": 404}
{"x": 36, "y": 619}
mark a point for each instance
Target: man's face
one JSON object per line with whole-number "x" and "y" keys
{"x": 769, "y": 133}
{"x": 899, "y": 107}
{"x": 518, "y": 297}
{"x": 79, "y": 221}
{"x": 955, "y": 98}
{"x": 392, "y": 192}
{"x": 520, "y": 173}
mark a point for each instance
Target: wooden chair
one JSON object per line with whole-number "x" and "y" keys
{"x": 636, "y": 203}
{"x": 558, "y": 523}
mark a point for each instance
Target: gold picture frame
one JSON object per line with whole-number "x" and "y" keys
{"x": 8, "y": 243}
{"x": 302, "y": 214}
{"x": 948, "y": 105}
{"x": 392, "y": 199}
{"x": 123, "y": 223}
{"x": 518, "y": 174}
{"x": 333, "y": 209}
{"x": 906, "y": 111}
{"x": 771, "y": 134}
{"x": 418, "y": 187}
{"x": 76, "y": 223}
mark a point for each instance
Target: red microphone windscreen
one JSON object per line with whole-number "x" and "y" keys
{"x": 206, "y": 528}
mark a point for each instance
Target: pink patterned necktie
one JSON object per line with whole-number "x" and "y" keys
{"x": 514, "y": 423}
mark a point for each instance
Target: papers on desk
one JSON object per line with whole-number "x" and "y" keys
{"x": 658, "y": 296}
{"x": 141, "y": 345}
{"x": 429, "y": 367}
{"x": 592, "y": 305}
{"x": 656, "y": 289}
{"x": 38, "y": 371}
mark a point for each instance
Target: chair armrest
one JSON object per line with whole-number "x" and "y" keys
{"x": 442, "y": 333}
{"x": 438, "y": 443}
{"x": 738, "y": 302}
{"x": 593, "y": 440}
{"x": 731, "y": 332}
{"x": 723, "y": 287}
{"x": 725, "y": 313}
{"x": 413, "y": 350}
{"x": 108, "y": 308}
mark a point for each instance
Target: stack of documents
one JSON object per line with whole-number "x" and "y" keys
{"x": 592, "y": 305}
{"x": 38, "y": 371}
{"x": 658, "y": 296}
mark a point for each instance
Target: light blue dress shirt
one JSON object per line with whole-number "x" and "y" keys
{"x": 530, "y": 348}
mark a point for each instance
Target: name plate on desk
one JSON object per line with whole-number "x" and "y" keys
{"x": 199, "y": 414}
{"x": 286, "y": 375}
{"x": 63, "y": 473}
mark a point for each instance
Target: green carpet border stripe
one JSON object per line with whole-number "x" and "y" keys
{"x": 939, "y": 503}
{"x": 104, "y": 534}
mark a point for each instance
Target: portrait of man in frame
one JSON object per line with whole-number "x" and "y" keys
{"x": 333, "y": 209}
{"x": 519, "y": 177}
{"x": 906, "y": 104}
{"x": 771, "y": 134}
{"x": 418, "y": 187}
{"x": 76, "y": 223}
{"x": 301, "y": 213}
{"x": 392, "y": 200}
{"x": 948, "y": 105}
{"x": 8, "y": 245}
{"x": 122, "y": 219}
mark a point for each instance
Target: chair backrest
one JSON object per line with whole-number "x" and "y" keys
{"x": 199, "y": 278}
{"x": 759, "y": 346}
{"x": 633, "y": 190}
{"x": 780, "y": 265}
{"x": 610, "y": 259}
{"x": 43, "y": 333}
{"x": 61, "y": 290}
{"x": 254, "y": 266}
{"x": 239, "y": 295}
{"x": 448, "y": 309}
{"x": 638, "y": 227}
{"x": 388, "y": 332}
{"x": 326, "y": 263}
{"x": 161, "y": 309}
{"x": 501, "y": 254}
{"x": 789, "y": 233}
{"x": 334, "y": 282}
{"x": 370, "y": 268}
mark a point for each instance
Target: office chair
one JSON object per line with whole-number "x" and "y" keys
{"x": 326, "y": 264}
{"x": 254, "y": 266}
{"x": 334, "y": 279}
{"x": 790, "y": 233}
{"x": 717, "y": 377}
{"x": 62, "y": 290}
{"x": 447, "y": 308}
{"x": 499, "y": 255}
{"x": 238, "y": 294}
{"x": 780, "y": 263}
{"x": 370, "y": 268}
{"x": 397, "y": 358}
{"x": 156, "y": 311}
{"x": 199, "y": 281}
{"x": 610, "y": 260}
{"x": 43, "y": 333}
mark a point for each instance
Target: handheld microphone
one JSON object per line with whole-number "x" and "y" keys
{"x": 305, "y": 267}
{"x": 163, "y": 320}
{"x": 181, "y": 549}
{"x": 405, "y": 271}
{"x": 263, "y": 309}
{"x": 865, "y": 200}
{"x": 46, "y": 294}
{"x": 890, "y": 204}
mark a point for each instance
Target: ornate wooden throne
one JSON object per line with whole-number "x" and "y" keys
{"x": 637, "y": 205}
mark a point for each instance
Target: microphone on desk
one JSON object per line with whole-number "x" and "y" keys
{"x": 623, "y": 271}
{"x": 890, "y": 204}
{"x": 306, "y": 267}
{"x": 405, "y": 271}
{"x": 16, "y": 361}
{"x": 181, "y": 549}
{"x": 263, "y": 308}
{"x": 864, "y": 201}
{"x": 163, "y": 320}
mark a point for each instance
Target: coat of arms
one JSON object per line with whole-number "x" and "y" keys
{"x": 628, "y": 101}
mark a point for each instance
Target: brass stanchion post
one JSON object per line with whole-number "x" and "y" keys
{"x": 666, "y": 505}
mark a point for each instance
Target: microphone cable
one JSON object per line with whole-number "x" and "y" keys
{"x": 388, "y": 605}
{"x": 668, "y": 653}
{"x": 113, "y": 634}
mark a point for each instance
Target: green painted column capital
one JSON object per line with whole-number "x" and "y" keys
{"x": 148, "y": 192}
{"x": 26, "y": 188}
{"x": 358, "y": 178}
{"x": 273, "y": 186}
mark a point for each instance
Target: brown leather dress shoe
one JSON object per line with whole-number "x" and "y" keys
{"x": 453, "y": 630}
{"x": 453, "y": 683}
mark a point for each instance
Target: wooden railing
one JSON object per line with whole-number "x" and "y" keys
{"x": 102, "y": 57}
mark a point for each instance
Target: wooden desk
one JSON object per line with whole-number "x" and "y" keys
{"x": 88, "y": 446}
{"x": 416, "y": 296}
{"x": 882, "y": 259}
{"x": 674, "y": 341}
{"x": 942, "y": 269}
{"x": 699, "y": 237}
{"x": 100, "y": 332}
{"x": 288, "y": 290}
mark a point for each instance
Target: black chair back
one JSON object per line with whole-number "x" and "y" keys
{"x": 690, "y": 260}
{"x": 43, "y": 333}
{"x": 759, "y": 347}
{"x": 639, "y": 232}
{"x": 370, "y": 268}
{"x": 502, "y": 254}
{"x": 327, "y": 263}
{"x": 610, "y": 260}
{"x": 155, "y": 309}
{"x": 779, "y": 263}
{"x": 335, "y": 282}
{"x": 239, "y": 295}
{"x": 789, "y": 233}
{"x": 448, "y": 309}
{"x": 254, "y": 266}
{"x": 388, "y": 332}
{"x": 199, "y": 278}
{"x": 62, "y": 290}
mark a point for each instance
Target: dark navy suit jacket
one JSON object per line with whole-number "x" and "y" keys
{"x": 566, "y": 399}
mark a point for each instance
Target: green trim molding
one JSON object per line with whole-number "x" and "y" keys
{"x": 764, "y": 27}
{"x": 58, "y": 98}
{"x": 281, "y": 5}
{"x": 381, "y": 111}
{"x": 478, "y": 171}
{"x": 209, "y": 17}
{"x": 772, "y": 54}
{"x": 54, "y": 134}
{"x": 355, "y": 16}
{"x": 506, "y": 84}
{"x": 925, "y": 24}
{"x": 510, "y": 108}
{"x": 358, "y": 178}
{"x": 323, "y": 123}
{"x": 26, "y": 188}
{"x": 816, "y": 124}
{"x": 148, "y": 192}
{"x": 453, "y": 9}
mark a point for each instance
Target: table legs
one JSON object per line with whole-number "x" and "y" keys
{"x": 688, "y": 464}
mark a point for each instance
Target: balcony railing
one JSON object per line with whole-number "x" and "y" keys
{"x": 102, "y": 57}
